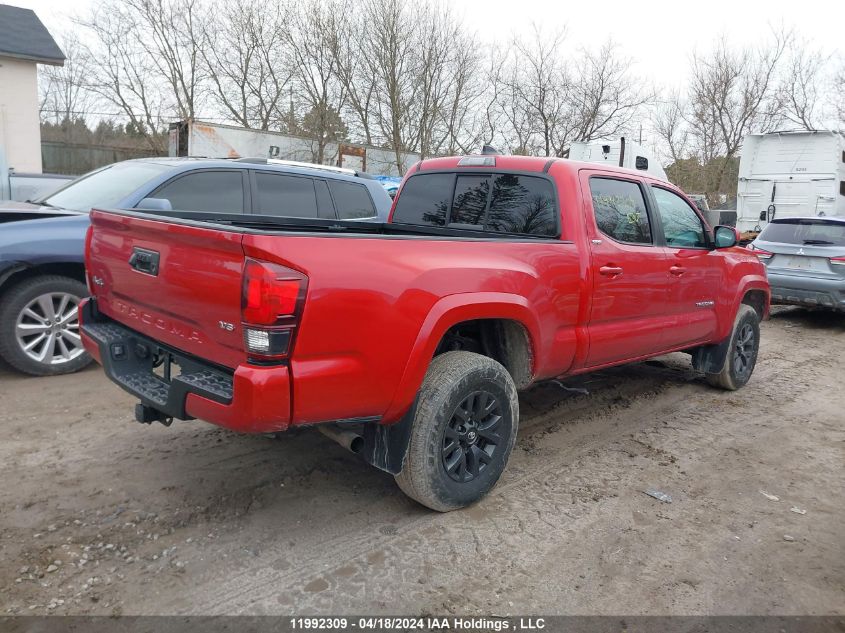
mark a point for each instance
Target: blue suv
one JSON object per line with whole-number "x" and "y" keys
{"x": 42, "y": 275}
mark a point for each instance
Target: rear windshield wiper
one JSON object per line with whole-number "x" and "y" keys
{"x": 819, "y": 242}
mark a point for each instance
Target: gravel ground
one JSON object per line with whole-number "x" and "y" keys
{"x": 101, "y": 515}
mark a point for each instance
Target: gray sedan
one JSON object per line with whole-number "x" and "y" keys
{"x": 805, "y": 260}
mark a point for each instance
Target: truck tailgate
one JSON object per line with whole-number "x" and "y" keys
{"x": 144, "y": 274}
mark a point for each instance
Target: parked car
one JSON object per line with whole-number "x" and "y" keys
{"x": 805, "y": 260}
{"x": 41, "y": 244}
{"x": 410, "y": 339}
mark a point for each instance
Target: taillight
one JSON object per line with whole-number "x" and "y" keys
{"x": 759, "y": 252}
{"x": 839, "y": 261}
{"x": 272, "y": 297}
{"x": 89, "y": 236}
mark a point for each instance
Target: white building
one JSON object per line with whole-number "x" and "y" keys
{"x": 24, "y": 43}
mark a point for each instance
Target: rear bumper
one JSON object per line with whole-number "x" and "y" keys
{"x": 248, "y": 399}
{"x": 807, "y": 291}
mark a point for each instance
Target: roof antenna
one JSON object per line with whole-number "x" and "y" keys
{"x": 489, "y": 150}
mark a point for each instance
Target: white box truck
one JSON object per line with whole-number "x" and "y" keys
{"x": 790, "y": 174}
{"x": 622, "y": 153}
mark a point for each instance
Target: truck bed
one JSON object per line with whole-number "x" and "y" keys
{"x": 377, "y": 297}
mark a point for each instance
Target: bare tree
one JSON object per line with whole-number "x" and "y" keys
{"x": 838, "y": 92}
{"x": 172, "y": 38}
{"x": 314, "y": 34}
{"x": 798, "y": 96}
{"x": 64, "y": 90}
{"x": 124, "y": 75}
{"x": 465, "y": 96}
{"x": 604, "y": 96}
{"x": 390, "y": 35}
{"x": 732, "y": 93}
{"x": 555, "y": 96}
{"x": 245, "y": 58}
{"x": 669, "y": 125}
{"x": 539, "y": 83}
{"x": 356, "y": 74}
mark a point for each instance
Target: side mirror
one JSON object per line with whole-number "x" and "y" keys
{"x": 155, "y": 204}
{"x": 641, "y": 162}
{"x": 763, "y": 215}
{"x": 726, "y": 236}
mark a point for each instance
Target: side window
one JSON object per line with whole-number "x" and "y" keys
{"x": 215, "y": 191}
{"x": 351, "y": 200}
{"x": 425, "y": 199}
{"x": 620, "y": 210}
{"x": 682, "y": 227}
{"x": 522, "y": 204}
{"x": 288, "y": 196}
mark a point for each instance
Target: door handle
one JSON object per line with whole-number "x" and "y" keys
{"x": 144, "y": 261}
{"x": 677, "y": 270}
{"x": 610, "y": 271}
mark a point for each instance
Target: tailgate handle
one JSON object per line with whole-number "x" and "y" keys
{"x": 144, "y": 261}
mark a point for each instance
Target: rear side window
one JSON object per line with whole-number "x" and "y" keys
{"x": 287, "y": 196}
{"x": 351, "y": 201}
{"x": 620, "y": 210}
{"x": 425, "y": 199}
{"x": 810, "y": 231}
{"x": 215, "y": 191}
{"x": 501, "y": 203}
{"x": 682, "y": 227}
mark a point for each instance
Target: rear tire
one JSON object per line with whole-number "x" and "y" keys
{"x": 463, "y": 431}
{"x": 742, "y": 351}
{"x": 39, "y": 326}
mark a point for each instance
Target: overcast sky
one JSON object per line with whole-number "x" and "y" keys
{"x": 659, "y": 35}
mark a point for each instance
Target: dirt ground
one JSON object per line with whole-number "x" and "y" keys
{"x": 101, "y": 515}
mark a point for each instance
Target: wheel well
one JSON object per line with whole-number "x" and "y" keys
{"x": 757, "y": 300}
{"x": 67, "y": 269}
{"x": 503, "y": 340}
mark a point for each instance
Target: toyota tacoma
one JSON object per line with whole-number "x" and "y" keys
{"x": 407, "y": 341}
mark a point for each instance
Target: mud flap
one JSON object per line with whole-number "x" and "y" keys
{"x": 710, "y": 359}
{"x": 385, "y": 445}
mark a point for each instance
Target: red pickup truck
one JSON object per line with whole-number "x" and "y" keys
{"x": 407, "y": 341}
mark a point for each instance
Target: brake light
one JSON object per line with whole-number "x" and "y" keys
{"x": 759, "y": 252}
{"x": 839, "y": 261}
{"x": 272, "y": 297}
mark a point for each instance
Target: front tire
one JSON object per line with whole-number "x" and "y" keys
{"x": 39, "y": 326}
{"x": 742, "y": 351}
{"x": 463, "y": 431}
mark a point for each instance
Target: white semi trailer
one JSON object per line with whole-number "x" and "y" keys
{"x": 622, "y": 153}
{"x": 789, "y": 174}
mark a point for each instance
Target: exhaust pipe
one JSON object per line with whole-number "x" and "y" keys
{"x": 347, "y": 439}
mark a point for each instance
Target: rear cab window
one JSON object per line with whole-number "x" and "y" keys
{"x": 508, "y": 203}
